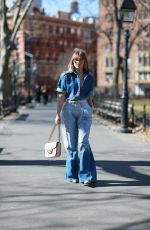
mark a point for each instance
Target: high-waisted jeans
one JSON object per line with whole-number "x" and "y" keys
{"x": 76, "y": 123}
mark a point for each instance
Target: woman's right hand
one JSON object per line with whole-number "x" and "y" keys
{"x": 60, "y": 102}
{"x": 57, "y": 119}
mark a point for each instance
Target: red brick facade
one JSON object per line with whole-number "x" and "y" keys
{"x": 139, "y": 56}
{"x": 51, "y": 41}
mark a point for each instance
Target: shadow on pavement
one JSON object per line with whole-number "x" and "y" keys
{"x": 27, "y": 119}
{"x": 22, "y": 117}
{"x": 125, "y": 169}
{"x": 145, "y": 225}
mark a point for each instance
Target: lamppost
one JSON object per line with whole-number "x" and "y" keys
{"x": 12, "y": 46}
{"x": 28, "y": 57}
{"x": 127, "y": 11}
{"x": 14, "y": 83}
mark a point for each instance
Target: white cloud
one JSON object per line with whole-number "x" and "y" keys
{"x": 86, "y": 7}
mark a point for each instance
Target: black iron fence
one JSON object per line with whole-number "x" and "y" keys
{"x": 108, "y": 108}
{"x": 11, "y": 105}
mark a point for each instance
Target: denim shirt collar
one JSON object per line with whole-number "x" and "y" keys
{"x": 75, "y": 72}
{"x": 69, "y": 84}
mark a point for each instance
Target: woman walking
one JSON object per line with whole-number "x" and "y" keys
{"x": 74, "y": 112}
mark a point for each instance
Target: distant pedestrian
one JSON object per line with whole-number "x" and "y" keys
{"x": 74, "y": 111}
{"x": 45, "y": 94}
{"x": 38, "y": 93}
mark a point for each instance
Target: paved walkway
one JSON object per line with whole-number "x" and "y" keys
{"x": 34, "y": 194}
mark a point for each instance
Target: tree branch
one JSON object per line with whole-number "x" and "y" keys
{"x": 137, "y": 35}
{"x": 105, "y": 33}
{"x": 16, "y": 16}
{"x": 145, "y": 4}
{"x": 20, "y": 19}
{"x": 3, "y": 18}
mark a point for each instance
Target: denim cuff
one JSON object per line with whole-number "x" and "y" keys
{"x": 59, "y": 90}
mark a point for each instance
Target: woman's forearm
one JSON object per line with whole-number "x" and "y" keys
{"x": 60, "y": 102}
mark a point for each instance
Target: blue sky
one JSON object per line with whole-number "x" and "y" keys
{"x": 86, "y": 7}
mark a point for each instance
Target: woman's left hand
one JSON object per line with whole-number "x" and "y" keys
{"x": 57, "y": 119}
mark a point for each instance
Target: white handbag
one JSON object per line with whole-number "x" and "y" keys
{"x": 53, "y": 149}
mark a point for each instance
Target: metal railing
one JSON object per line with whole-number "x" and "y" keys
{"x": 6, "y": 109}
{"x": 109, "y": 109}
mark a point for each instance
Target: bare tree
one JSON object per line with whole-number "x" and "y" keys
{"x": 115, "y": 38}
{"x": 145, "y": 4}
{"x": 116, "y": 49}
{"x": 8, "y": 35}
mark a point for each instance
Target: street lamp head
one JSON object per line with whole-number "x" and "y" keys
{"x": 127, "y": 10}
{"x": 12, "y": 46}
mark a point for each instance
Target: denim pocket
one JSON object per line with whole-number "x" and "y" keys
{"x": 90, "y": 108}
{"x": 87, "y": 112}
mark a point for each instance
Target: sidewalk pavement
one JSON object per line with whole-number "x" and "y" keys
{"x": 34, "y": 194}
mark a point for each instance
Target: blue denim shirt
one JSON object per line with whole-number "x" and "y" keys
{"x": 69, "y": 85}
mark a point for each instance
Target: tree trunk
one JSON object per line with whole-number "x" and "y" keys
{"x": 4, "y": 54}
{"x": 6, "y": 83}
{"x": 6, "y": 37}
{"x": 116, "y": 48}
{"x": 116, "y": 63}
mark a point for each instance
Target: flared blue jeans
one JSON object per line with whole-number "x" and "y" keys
{"x": 76, "y": 123}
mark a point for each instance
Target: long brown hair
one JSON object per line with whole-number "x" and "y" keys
{"x": 78, "y": 53}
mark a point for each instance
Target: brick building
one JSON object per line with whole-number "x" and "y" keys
{"x": 139, "y": 55}
{"x": 45, "y": 44}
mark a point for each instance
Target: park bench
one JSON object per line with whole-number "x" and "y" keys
{"x": 4, "y": 111}
{"x": 112, "y": 109}
{"x": 9, "y": 109}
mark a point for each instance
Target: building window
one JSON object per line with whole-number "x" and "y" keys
{"x": 38, "y": 42}
{"x": 55, "y": 43}
{"x": 61, "y": 43}
{"x": 109, "y": 32}
{"x": 48, "y": 43}
{"x": 73, "y": 30}
{"x": 107, "y": 3}
{"x": 144, "y": 59}
{"x": 146, "y": 14}
{"x": 50, "y": 29}
{"x": 87, "y": 35}
{"x": 146, "y": 46}
{"x": 112, "y": 63}
{"x": 65, "y": 43}
{"x": 79, "y": 31}
{"x": 140, "y": 14}
{"x": 143, "y": 46}
{"x": 65, "y": 29}
{"x": 140, "y": 46}
{"x": 61, "y": 30}
{"x": 108, "y": 17}
{"x": 57, "y": 30}
{"x": 108, "y": 47}
{"x": 68, "y": 30}
{"x": 109, "y": 78}
{"x": 54, "y": 30}
{"x": 71, "y": 44}
{"x": 140, "y": 60}
{"x": 108, "y": 62}
{"x": 143, "y": 76}
{"x": 44, "y": 27}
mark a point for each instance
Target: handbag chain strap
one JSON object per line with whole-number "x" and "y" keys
{"x": 51, "y": 134}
